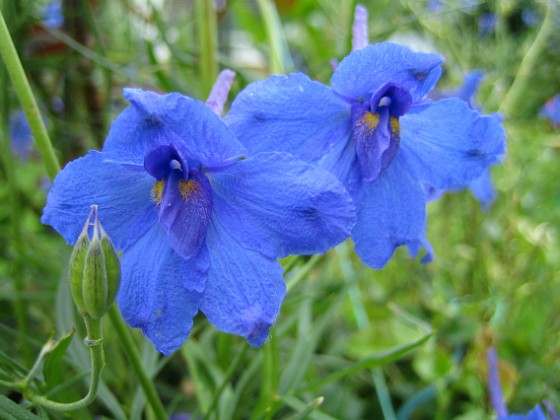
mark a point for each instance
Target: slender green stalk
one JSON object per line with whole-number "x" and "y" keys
{"x": 208, "y": 38}
{"x": 25, "y": 95}
{"x": 280, "y": 61}
{"x": 530, "y": 61}
{"x": 304, "y": 271}
{"x": 134, "y": 357}
{"x": 201, "y": 391}
{"x": 363, "y": 321}
{"x": 227, "y": 377}
{"x": 94, "y": 341}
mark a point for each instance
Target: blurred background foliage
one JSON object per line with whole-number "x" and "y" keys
{"x": 408, "y": 341}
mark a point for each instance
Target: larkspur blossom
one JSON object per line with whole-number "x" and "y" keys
{"x": 551, "y": 110}
{"x": 21, "y": 138}
{"x": 497, "y": 400}
{"x": 200, "y": 224}
{"x": 378, "y": 133}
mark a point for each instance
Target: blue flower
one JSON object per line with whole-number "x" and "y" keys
{"x": 551, "y": 110}
{"x": 52, "y": 14}
{"x": 21, "y": 138}
{"x": 379, "y": 135}
{"x": 201, "y": 226}
{"x": 497, "y": 399}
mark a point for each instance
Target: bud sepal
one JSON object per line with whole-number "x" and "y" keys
{"x": 94, "y": 270}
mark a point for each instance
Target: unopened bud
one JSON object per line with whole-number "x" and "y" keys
{"x": 94, "y": 271}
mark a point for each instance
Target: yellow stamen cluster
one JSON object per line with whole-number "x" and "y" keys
{"x": 186, "y": 188}
{"x": 157, "y": 191}
{"x": 395, "y": 126}
{"x": 370, "y": 121}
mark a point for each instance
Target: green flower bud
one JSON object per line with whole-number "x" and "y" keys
{"x": 94, "y": 270}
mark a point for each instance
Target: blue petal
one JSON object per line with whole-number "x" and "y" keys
{"x": 122, "y": 192}
{"x": 160, "y": 291}
{"x": 155, "y": 120}
{"x": 185, "y": 211}
{"x": 449, "y": 145}
{"x": 342, "y": 162}
{"x": 414, "y": 249}
{"x": 536, "y": 413}
{"x": 468, "y": 89}
{"x": 392, "y": 213}
{"x": 277, "y": 205}
{"x": 363, "y": 72}
{"x": 483, "y": 190}
{"x": 289, "y": 114}
{"x": 244, "y": 290}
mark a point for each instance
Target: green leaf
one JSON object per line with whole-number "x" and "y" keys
{"x": 54, "y": 366}
{"x": 374, "y": 360}
{"x": 306, "y": 411}
{"x": 10, "y": 410}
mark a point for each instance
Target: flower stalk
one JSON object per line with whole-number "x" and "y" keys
{"x": 136, "y": 361}
{"x": 94, "y": 341}
{"x": 522, "y": 81}
{"x": 25, "y": 95}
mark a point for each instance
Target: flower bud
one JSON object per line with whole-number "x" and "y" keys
{"x": 94, "y": 270}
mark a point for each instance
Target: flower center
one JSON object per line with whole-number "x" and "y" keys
{"x": 183, "y": 197}
{"x": 376, "y": 129}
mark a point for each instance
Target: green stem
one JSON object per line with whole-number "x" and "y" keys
{"x": 25, "y": 95}
{"x": 94, "y": 341}
{"x": 362, "y": 321}
{"x": 303, "y": 271}
{"x": 134, "y": 356}
{"x": 208, "y": 35}
{"x": 11, "y": 385}
{"x": 280, "y": 61}
{"x": 227, "y": 378}
{"x": 523, "y": 80}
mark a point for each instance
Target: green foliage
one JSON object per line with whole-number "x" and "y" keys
{"x": 350, "y": 342}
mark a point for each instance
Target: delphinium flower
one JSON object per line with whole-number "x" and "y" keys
{"x": 551, "y": 110}
{"x": 497, "y": 400}
{"x": 52, "y": 14}
{"x": 377, "y": 132}
{"x": 21, "y": 138}
{"x": 200, "y": 223}
{"x": 481, "y": 187}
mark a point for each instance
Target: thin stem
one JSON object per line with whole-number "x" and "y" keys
{"x": 304, "y": 271}
{"x": 134, "y": 357}
{"x": 208, "y": 36}
{"x": 227, "y": 377}
{"x": 25, "y": 95}
{"x": 280, "y": 61}
{"x": 523, "y": 79}
{"x": 11, "y": 385}
{"x": 94, "y": 341}
{"x": 362, "y": 321}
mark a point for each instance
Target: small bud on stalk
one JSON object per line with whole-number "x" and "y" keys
{"x": 94, "y": 270}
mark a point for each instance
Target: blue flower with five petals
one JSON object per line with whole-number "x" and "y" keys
{"x": 377, "y": 132}
{"x": 201, "y": 226}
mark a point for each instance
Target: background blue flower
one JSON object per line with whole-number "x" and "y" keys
{"x": 200, "y": 224}
{"x": 379, "y": 135}
{"x": 551, "y": 110}
{"x": 21, "y": 138}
